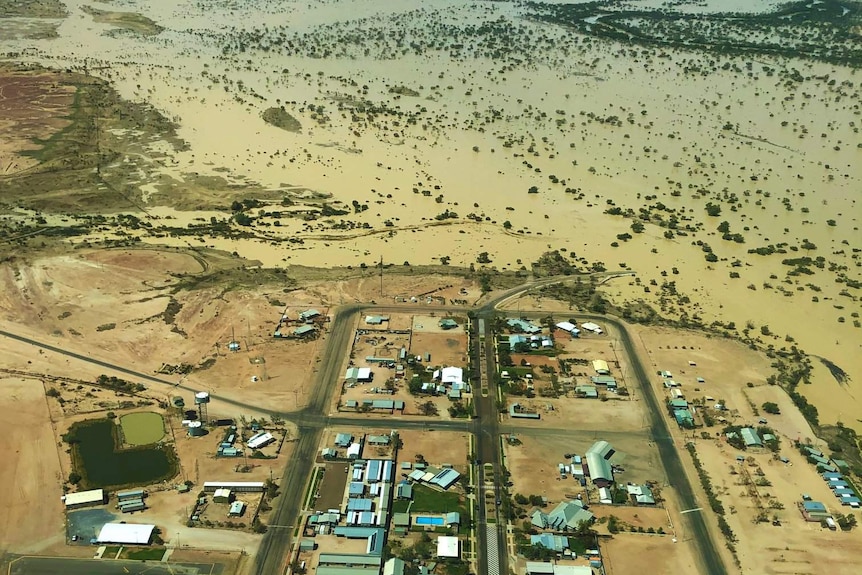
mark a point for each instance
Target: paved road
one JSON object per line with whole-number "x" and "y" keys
{"x": 273, "y": 554}
{"x": 69, "y": 566}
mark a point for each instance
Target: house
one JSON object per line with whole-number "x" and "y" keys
{"x": 448, "y": 323}
{"x": 401, "y": 519}
{"x": 601, "y": 367}
{"x": 813, "y": 510}
{"x": 542, "y": 568}
{"x": 555, "y": 543}
{"x": 450, "y": 375}
{"x": 605, "y": 496}
{"x": 684, "y": 418}
{"x": 404, "y": 491}
{"x": 516, "y": 340}
{"x": 640, "y": 495}
{"x": 588, "y": 391}
{"x": 750, "y": 437}
{"x": 445, "y": 479}
{"x": 237, "y": 508}
{"x": 328, "y": 453}
{"x": 564, "y": 517}
{"x": 378, "y": 439}
{"x": 678, "y": 404}
{"x": 343, "y": 440}
{"x": 448, "y": 546}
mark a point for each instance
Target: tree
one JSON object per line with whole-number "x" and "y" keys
{"x": 507, "y": 225}
{"x": 771, "y": 407}
{"x": 74, "y": 478}
{"x": 428, "y": 408}
{"x": 713, "y": 210}
{"x": 845, "y": 522}
{"x": 483, "y": 258}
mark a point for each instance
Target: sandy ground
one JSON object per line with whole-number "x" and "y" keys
{"x": 631, "y": 553}
{"x": 802, "y": 544}
{"x": 437, "y": 447}
{"x": 33, "y": 513}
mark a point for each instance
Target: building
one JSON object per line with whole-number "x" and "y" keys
{"x": 588, "y": 391}
{"x": 359, "y": 374}
{"x": 394, "y": 566}
{"x": 592, "y": 327}
{"x": 450, "y": 375}
{"x": 260, "y": 440}
{"x": 448, "y": 547}
{"x": 222, "y": 495}
{"x": 555, "y": 543}
{"x": 133, "y": 494}
{"x": 640, "y": 495}
{"x": 237, "y": 508}
{"x": 126, "y": 534}
{"x": 543, "y": 568}
{"x": 309, "y": 315}
{"x": 378, "y": 439}
{"x": 445, "y": 479}
{"x": 376, "y": 319}
{"x": 683, "y": 417}
{"x": 84, "y": 498}
{"x": 447, "y": 323}
{"x": 328, "y": 453}
{"x": 569, "y": 327}
{"x": 813, "y": 511}
{"x": 601, "y": 367}
{"x": 515, "y": 410}
{"x": 598, "y": 464}
{"x": 343, "y": 440}
{"x": 235, "y": 486}
{"x": 564, "y": 517}
{"x": 304, "y": 331}
{"x": 404, "y": 491}
{"x": 523, "y": 326}
{"x": 750, "y": 437}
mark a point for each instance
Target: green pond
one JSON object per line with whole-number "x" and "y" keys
{"x": 101, "y": 462}
{"x": 142, "y": 428}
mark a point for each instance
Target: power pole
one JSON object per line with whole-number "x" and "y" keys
{"x": 381, "y": 276}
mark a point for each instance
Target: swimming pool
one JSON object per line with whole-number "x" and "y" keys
{"x": 423, "y": 520}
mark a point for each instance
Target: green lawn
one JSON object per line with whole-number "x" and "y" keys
{"x": 145, "y": 554}
{"x": 426, "y": 499}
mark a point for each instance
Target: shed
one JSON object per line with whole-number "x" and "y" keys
{"x": 222, "y": 495}
{"x": 84, "y": 498}
{"x": 601, "y": 367}
{"x": 237, "y": 508}
{"x": 448, "y": 323}
{"x": 126, "y": 533}
{"x": 328, "y": 453}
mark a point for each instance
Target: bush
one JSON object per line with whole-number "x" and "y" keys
{"x": 771, "y": 407}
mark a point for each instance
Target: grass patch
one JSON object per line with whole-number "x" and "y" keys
{"x": 146, "y": 554}
{"x": 126, "y": 20}
{"x": 429, "y": 500}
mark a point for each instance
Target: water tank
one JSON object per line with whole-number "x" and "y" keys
{"x": 196, "y": 429}
{"x": 202, "y": 397}
{"x": 178, "y": 402}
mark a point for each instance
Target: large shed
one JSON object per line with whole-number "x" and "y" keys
{"x": 126, "y": 533}
{"x": 84, "y": 498}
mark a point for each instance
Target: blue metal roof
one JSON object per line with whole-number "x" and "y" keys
{"x": 357, "y": 504}
{"x": 813, "y": 506}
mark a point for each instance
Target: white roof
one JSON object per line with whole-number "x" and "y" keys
{"x": 572, "y": 570}
{"x": 125, "y": 533}
{"x": 260, "y": 440}
{"x": 234, "y": 484}
{"x": 590, "y": 326}
{"x": 447, "y": 547}
{"x": 83, "y": 497}
{"x": 567, "y": 326}
{"x": 451, "y": 375}
{"x": 364, "y": 373}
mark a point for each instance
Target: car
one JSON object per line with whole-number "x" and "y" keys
{"x": 74, "y": 537}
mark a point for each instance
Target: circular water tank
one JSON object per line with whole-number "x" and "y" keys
{"x": 196, "y": 429}
{"x": 202, "y": 397}
{"x": 178, "y": 402}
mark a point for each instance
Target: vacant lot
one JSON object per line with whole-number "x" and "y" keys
{"x": 330, "y": 490}
{"x": 436, "y": 447}
{"x": 627, "y": 553}
{"x": 446, "y": 349}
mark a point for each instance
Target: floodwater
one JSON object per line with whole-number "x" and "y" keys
{"x": 621, "y": 125}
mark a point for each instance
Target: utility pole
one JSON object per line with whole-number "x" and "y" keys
{"x": 381, "y": 276}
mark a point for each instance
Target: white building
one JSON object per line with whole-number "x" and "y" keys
{"x": 126, "y": 533}
{"x": 448, "y": 546}
{"x": 83, "y": 498}
{"x": 592, "y": 327}
{"x": 260, "y": 440}
{"x": 450, "y": 375}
